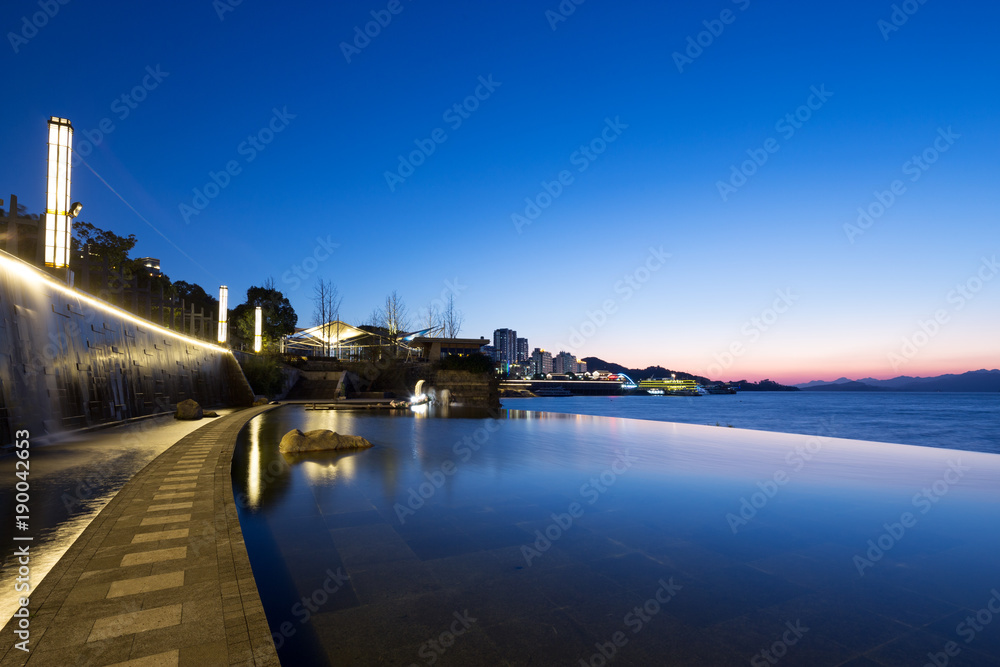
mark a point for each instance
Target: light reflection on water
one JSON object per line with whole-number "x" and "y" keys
{"x": 420, "y": 542}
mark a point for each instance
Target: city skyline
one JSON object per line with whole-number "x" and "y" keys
{"x": 673, "y": 191}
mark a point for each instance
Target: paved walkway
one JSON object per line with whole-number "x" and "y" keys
{"x": 161, "y": 576}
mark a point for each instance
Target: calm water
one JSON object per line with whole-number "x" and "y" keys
{"x": 969, "y": 421}
{"x": 547, "y": 539}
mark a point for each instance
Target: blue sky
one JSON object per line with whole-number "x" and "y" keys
{"x": 854, "y": 301}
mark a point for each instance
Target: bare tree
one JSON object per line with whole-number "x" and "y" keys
{"x": 452, "y": 318}
{"x": 433, "y": 317}
{"x": 395, "y": 317}
{"x": 327, "y": 298}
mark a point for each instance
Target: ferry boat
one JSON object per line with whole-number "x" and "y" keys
{"x": 720, "y": 389}
{"x": 672, "y": 386}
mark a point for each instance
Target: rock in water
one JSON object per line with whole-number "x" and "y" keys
{"x": 188, "y": 409}
{"x": 321, "y": 440}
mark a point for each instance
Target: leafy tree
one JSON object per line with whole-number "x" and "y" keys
{"x": 102, "y": 243}
{"x": 279, "y": 318}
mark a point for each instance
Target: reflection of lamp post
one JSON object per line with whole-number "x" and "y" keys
{"x": 59, "y": 213}
{"x": 223, "y": 313}
{"x": 257, "y": 324}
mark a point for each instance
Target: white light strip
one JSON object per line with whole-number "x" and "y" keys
{"x": 31, "y": 274}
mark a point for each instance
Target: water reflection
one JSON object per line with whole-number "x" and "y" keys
{"x": 550, "y": 528}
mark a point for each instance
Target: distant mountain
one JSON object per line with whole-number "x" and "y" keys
{"x": 844, "y": 386}
{"x": 975, "y": 381}
{"x": 820, "y": 383}
{"x": 597, "y": 364}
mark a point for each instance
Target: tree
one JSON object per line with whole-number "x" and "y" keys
{"x": 194, "y": 297}
{"x": 102, "y": 243}
{"x": 395, "y": 317}
{"x": 279, "y": 318}
{"x": 452, "y": 318}
{"x": 327, "y": 298}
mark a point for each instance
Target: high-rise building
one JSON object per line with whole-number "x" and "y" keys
{"x": 564, "y": 362}
{"x": 522, "y": 350}
{"x": 541, "y": 362}
{"x": 505, "y": 342}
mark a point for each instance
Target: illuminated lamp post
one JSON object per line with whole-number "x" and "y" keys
{"x": 59, "y": 212}
{"x": 223, "y": 313}
{"x": 257, "y": 324}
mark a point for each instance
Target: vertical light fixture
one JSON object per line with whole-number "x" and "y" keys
{"x": 257, "y": 324}
{"x": 223, "y": 313}
{"x": 57, "y": 199}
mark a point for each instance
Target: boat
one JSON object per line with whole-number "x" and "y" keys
{"x": 553, "y": 391}
{"x": 672, "y": 386}
{"x": 720, "y": 389}
{"x": 654, "y": 391}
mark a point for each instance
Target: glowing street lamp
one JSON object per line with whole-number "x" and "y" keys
{"x": 257, "y": 324}
{"x": 223, "y": 313}
{"x": 59, "y": 212}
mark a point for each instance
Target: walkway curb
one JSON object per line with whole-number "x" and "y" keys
{"x": 161, "y": 576}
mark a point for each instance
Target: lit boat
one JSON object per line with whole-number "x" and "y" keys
{"x": 672, "y": 386}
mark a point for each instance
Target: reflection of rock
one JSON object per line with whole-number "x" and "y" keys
{"x": 188, "y": 409}
{"x": 319, "y": 441}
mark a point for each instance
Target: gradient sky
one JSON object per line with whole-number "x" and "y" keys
{"x": 449, "y": 225}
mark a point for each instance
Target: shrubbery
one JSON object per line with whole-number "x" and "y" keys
{"x": 263, "y": 372}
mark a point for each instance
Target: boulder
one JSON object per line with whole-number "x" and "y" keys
{"x": 321, "y": 440}
{"x": 211, "y": 413}
{"x": 259, "y": 400}
{"x": 189, "y": 409}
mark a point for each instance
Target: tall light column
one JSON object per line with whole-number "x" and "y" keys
{"x": 58, "y": 219}
{"x": 257, "y": 324}
{"x": 223, "y": 313}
